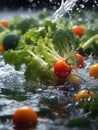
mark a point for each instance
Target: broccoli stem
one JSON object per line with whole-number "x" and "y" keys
{"x": 88, "y": 44}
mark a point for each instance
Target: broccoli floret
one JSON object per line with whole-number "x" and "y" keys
{"x": 24, "y": 24}
{"x": 44, "y": 14}
{"x": 64, "y": 40}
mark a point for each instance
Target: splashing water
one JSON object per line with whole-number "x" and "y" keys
{"x": 64, "y": 8}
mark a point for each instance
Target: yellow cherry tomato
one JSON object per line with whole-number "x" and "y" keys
{"x": 84, "y": 94}
{"x": 25, "y": 115}
{"x": 93, "y": 71}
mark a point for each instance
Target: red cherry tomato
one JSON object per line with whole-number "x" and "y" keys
{"x": 62, "y": 69}
{"x": 81, "y": 60}
{"x": 78, "y": 30}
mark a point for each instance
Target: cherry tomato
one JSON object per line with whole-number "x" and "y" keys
{"x": 81, "y": 60}
{"x": 62, "y": 69}
{"x": 1, "y": 48}
{"x": 25, "y": 115}
{"x": 84, "y": 94}
{"x": 5, "y": 23}
{"x": 74, "y": 79}
{"x": 78, "y": 30}
{"x": 93, "y": 71}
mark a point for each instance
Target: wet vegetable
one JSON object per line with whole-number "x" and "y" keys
{"x": 64, "y": 40}
{"x": 62, "y": 69}
{"x": 93, "y": 71}
{"x": 81, "y": 60}
{"x": 5, "y": 23}
{"x": 1, "y": 48}
{"x": 24, "y": 115}
{"x": 84, "y": 94}
{"x": 39, "y": 49}
{"x": 91, "y": 106}
{"x": 78, "y": 30}
{"x": 10, "y": 41}
{"x": 79, "y": 122}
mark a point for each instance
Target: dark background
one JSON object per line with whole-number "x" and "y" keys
{"x": 37, "y": 4}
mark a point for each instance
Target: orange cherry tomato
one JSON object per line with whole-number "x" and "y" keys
{"x": 93, "y": 71}
{"x": 81, "y": 60}
{"x": 1, "y": 48}
{"x": 78, "y": 30}
{"x": 84, "y": 94}
{"x": 25, "y": 115}
{"x": 5, "y": 23}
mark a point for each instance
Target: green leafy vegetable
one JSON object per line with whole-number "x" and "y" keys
{"x": 79, "y": 122}
{"x": 91, "y": 106}
{"x": 64, "y": 40}
{"x": 23, "y": 24}
{"x": 90, "y": 46}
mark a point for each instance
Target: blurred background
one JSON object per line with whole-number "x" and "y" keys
{"x": 39, "y": 4}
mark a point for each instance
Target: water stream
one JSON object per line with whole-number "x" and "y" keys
{"x": 64, "y": 8}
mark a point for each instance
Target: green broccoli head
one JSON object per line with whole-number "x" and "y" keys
{"x": 24, "y": 24}
{"x": 64, "y": 40}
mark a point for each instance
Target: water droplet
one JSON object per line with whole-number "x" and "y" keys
{"x": 82, "y": 6}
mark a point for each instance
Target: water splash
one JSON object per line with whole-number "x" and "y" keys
{"x": 64, "y": 8}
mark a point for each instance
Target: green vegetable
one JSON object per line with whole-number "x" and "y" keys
{"x": 23, "y": 24}
{"x": 90, "y": 45}
{"x": 91, "y": 106}
{"x": 3, "y": 34}
{"x": 10, "y": 41}
{"x": 79, "y": 122}
{"x": 44, "y": 14}
{"x": 64, "y": 40}
{"x": 37, "y": 68}
{"x": 1, "y": 28}
{"x": 39, "y": 48}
